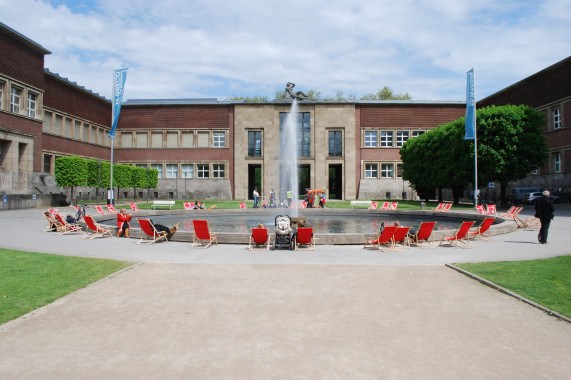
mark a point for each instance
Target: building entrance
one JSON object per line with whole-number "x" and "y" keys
{"x": 254, "y": 179}
{"x": 336, "y": 181}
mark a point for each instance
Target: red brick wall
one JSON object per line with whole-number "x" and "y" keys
{"x": 26, "y": 126}
{"x": 66, "y": 98}
{"x": 74, "y": 147}
{"x": 175, "y": 117}
{"x": 21, "y": 62}
{"x": 409, "y": 115}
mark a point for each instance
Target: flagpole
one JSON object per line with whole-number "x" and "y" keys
{"x": 119, "y": 77}
{"x": 475, "y": 146}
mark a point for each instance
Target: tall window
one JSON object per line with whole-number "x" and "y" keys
{"x": 254, "y": 143}
{"x": 158, "y": 167}
{"x": 387, "y": 171}
{"x": 218, "y": 170}
{"x": 219, "y": 139}
{"x": 303, "y": 132}
{"x": 335, "y": 144}
{"x": 386, "y": 139}
{"x": 32, "y": 104}
{"x": 15, "y": 97}
{"x": 202, "y": 171}
{"x": 47, "y": 163}
{"x": 371, "y": 170}
{"x": 187, "y": 171}
{"x": 556, "y": 118}
{"x": 1, "y": 95}
{"x": 370, "y": 139}
{"x": 557, "y": 162}
{"x": 399, "y": 170}
{"x": 172, "y": 171}
{"x": 402, "y": 136}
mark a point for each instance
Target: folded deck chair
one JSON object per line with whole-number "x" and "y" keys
{"x": 304, "y": 239}
{"x": 447, "y": 207}
{"x": 515, "y": 216}
{"x": 509, "y": 213}
{"x": 457, "y": 237}
{"x": 68, "y": 228}
{"x": 111, "y": 209}
{"x": 374, "y": 205}
{"x": 94, "y": 230}
{"x": 243, "y": 206}
{"x": 99, "y": 209}
{"x": 259, "y": 239}
{"x": 401, "y": 237}
{"x": 134, "y": 207}
{"x": 394, "y": 205}
{"x": 439, "y": 207}
{"x": 52, "y": 223}
{"x": 385, "y": 237}
{"x": 491, "y": 209}
{"x": 189, "y": 205}
{"x": 423, "y": 237}
{"x": 149, "y": 231}
{"x": 202, "y": 234}
{"x": 386, "y": 205}
{"x": 483, "y": 230}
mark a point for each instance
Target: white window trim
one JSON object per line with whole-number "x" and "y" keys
{"x": 376, "y": 142}
{"x": 367, "y": 171}
{"x": 556, "y": 117}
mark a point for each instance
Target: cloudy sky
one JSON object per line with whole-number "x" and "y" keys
{"x": 221, "y": 48}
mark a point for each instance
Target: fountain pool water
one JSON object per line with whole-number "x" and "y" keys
{"x": 289, "y": 172}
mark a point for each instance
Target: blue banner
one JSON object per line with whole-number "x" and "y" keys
{"x": 119, "y": 77}
{"x": 470, "y": 108}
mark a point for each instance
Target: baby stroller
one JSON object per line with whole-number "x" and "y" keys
{"x": 284, "y": 233}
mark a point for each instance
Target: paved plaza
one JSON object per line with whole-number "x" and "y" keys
{"x": 336, "y": 312}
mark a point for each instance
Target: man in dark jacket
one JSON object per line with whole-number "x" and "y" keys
{"x": 544, "y": 211}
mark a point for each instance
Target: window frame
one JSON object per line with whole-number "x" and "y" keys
{"x": 556, "y": 115}
{"x": 218, "y": 170}
{"x": 202, "y": 171}
{"x": 158, "y": 167}
{"x": 13, "y": 97}
{"x": 184, "y": 170}
{"x": 32, "y": 104}
{"x": 371, "y": 170}
{"x": 219, "y": 139}
{"x": 370, "y": 142}
{"x": 387, "y": 170}
{"x": 255, "y": 149}
{"x": 170, "y": 173}
{"x": 387, "y": 139}
{"x": 401, "y": 140}
{"x": 337, "y": 145}
{"x": 2, "y": 86}
{"x": 557, "y": 162}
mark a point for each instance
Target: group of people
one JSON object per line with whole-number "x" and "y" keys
{"x": 124, "y": 225}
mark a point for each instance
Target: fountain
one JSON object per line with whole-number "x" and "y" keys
{"x": 288, "y": 141}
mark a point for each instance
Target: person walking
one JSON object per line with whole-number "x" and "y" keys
{"x": 256, "y": 196}
{"x": 544, "y": 211}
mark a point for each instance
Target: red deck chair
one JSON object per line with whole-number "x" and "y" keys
{"x": 385, "y": 237}
{"x": 394, "y": 205}
{"x": 374, "y": 205}
{"x": 509, "y": 213}
{"x": 134, "y": 207}
{"x": 94, "y": 230}
{"x": 111, "y": 209}
{"x": 99, "y": 209}
{"x": 259, "y": 239}
{"x": 482, "y": 229}
{"x": 481, "y": 210}
{"x": 303, "y": 204}
{"x": 424, "y": 234}
{"x": 447, "y": 207}
{"x": 458, "y": 236}
{"x": 54, "y": 210}
{"x": 243, "y": 206}
{"x": 304, "y": 239}
{"x": 67, "y": 227}
{"x": 202, "y": 234}
{"x": 401, "y": 237}
{"x": 52, "y": 222}
{"x": 148, "y": 230}
{"x": 439, "y": 207}
{"x": 189, "y": 205}
{"x": 491, "y": 209}
{"x": 386, "y": 205}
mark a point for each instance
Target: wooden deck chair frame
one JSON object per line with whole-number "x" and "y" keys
{"x": 483, "y": 230}
{"x": 400, "y": 238}
{"x": 99, "y": 209}
{"x": 509, "y": 213}
{"x": 425, "y": 234}
{"x": 134, "y": 207}
{"x": 53, "y": 221}
{"x": 460, "y": 237}
{"x": 384, "y": 238}
{"x": 94, "y": 230}
{"x": 304, "y": 239}
{"x": 67, "y": 227}
{"x": 149, "y": 231}
{"x": 256, "y": 242}
{"x": 204, "y": 235}
{"x": 518, "y": 221}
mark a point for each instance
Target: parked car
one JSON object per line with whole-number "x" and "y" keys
{"x": 531, "y": 198}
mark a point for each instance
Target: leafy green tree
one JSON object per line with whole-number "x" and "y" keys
{"x": 153, "y": 178}
{"x": 70, "y": 171}
{"x": 138, "y": 179}
{"x": 386, "y": 93}
{"x": 122, "y": 176}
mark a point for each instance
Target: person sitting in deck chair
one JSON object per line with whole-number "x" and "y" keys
{"x": 123, "y": 225}
{"x": 170, "y": 231}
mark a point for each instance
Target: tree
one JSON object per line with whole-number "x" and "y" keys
{"x": 386, "y": 93}
{"x": 122, "y": 176}
{"x": 70, "y": 172}
{"x": 138, "y": 179}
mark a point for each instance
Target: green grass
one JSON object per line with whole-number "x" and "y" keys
{"x": 30, "y": 280}
{"x": 545, "y": 281}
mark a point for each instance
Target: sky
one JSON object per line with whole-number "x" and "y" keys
{"x": 220, "y": 48}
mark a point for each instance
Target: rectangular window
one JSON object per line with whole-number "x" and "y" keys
{"x": 77, "y": 130}
{"x": 557, "y": 162}
{"x": 371, "y": 170}
{"x": 417, "y": 133}
{"x": 335, "y": 144}
{"x": 402, "y": 136}
{"x": 47, "y": 163}
{"x": 203, "y": 139}
{"x": 47, "y": 127}
{"x": 187, "y": 140}
{"x": 254, "y": 143}
{"x": 94, "y": 134}
{"x": 85, "y": 135}
{"x": 58, "y": 125}
{"x": 386, "y": 139}
{"x": 172, "y": 171}
{"x": 387, "y": 171}
{"x": 399, "y": 170}
{"x": 202, "y": 171}
{"x": 158, "y": 167}
{"x": 219, "y": 139}
{"x": 1, "y": 95}
{"x": 32, "y": 104}
{"x": 144, "y": 166}
{"x": 172, "y": 139}
{"x": 126, "y": 140}
{"x": 218, "y": 170}
{"x": 157, "y": 140}
{"x": 67, "y": 127}
{"x": 556, "y": 118}
{"x": 371, "y": 139}
{"x": 15, "y": 99}
{"x": 187, "y": 171}
{"x": 303, "y": 132}
{"x": 142, "y": 139}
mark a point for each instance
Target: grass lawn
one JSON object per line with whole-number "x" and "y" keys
{"x": 30, "y": 280}
{"x": 546, "y": 281}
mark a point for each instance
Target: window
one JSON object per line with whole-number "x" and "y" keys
{"x": 144, "y": 166}
{"x": 47, "y": 163}
{"x": 417, "y": 133}
{"x": 67, "y": 127}
{"x": 1, "y": 95}
{"x": 202, "y": 171}
{"x": 157, "y": 140}
{"x": 15, "y": 96}
{"x": 187, "y": 171}
{"x": 172, "y": 171}
{"x": 172, "y": 139}
{"x": 335, "y": 144}
{"x": 32, "y": 104}
{"x": 77, "y": 130}
{"x": 93, "y": 134}
{"x": 303, "y": 132}
{"x": 57, "y": 125}
{"x": 557, "y": 162}
{"x": 402, "y": 136}
{"x": 556, "y": 118}
{"x": 47, "y": 126}
{"x": 187, "y": 140}
{"x": 203, "y": 139}
{"x": 399, "y": 170}
{"x": 371, "y": 171}
{"x": 370, "y": 139}
{"x": 387, "y": 139}
{"x": 254, "y": 143}
{"x": 142, "y": 139}
{"x": 387, "y": 171}
{"x": 219, "y": 139}
{"x": 126, "y": 140}
{"x": 158, "y": 167}
{"x": 218, "y": 170}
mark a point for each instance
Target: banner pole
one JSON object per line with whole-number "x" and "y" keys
{"x": 476, "y": 191}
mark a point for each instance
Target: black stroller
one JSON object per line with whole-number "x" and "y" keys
{"x": 284, "y": 233}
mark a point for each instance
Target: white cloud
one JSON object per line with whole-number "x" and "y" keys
{"x": 206, "y": 48}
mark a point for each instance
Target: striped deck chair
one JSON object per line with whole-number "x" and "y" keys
{"x": 447, "y": 206}
{"x": 491, "y": 209}
{"x": 149, "y": 231}
{"x": 259, "y": 239}
{"x": 304, "y": 239}
{"x": 68, "y": 228}
{"x": 481, "y": 210}
{"x": 509, "y": 213}
{"x": 202, "y": 234}
{"x": 439, "y": 207}
{"x": 243, "y": 206}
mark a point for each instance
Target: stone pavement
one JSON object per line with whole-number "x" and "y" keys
{"x": 337, "y": 312}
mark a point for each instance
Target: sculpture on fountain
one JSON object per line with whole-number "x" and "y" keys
{"x": 290, "y": 94}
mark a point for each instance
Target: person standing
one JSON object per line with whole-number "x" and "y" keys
{"x": 288, "y": 198}
{"x": 256, "y": 196}
{"x": 544, "y": 211}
